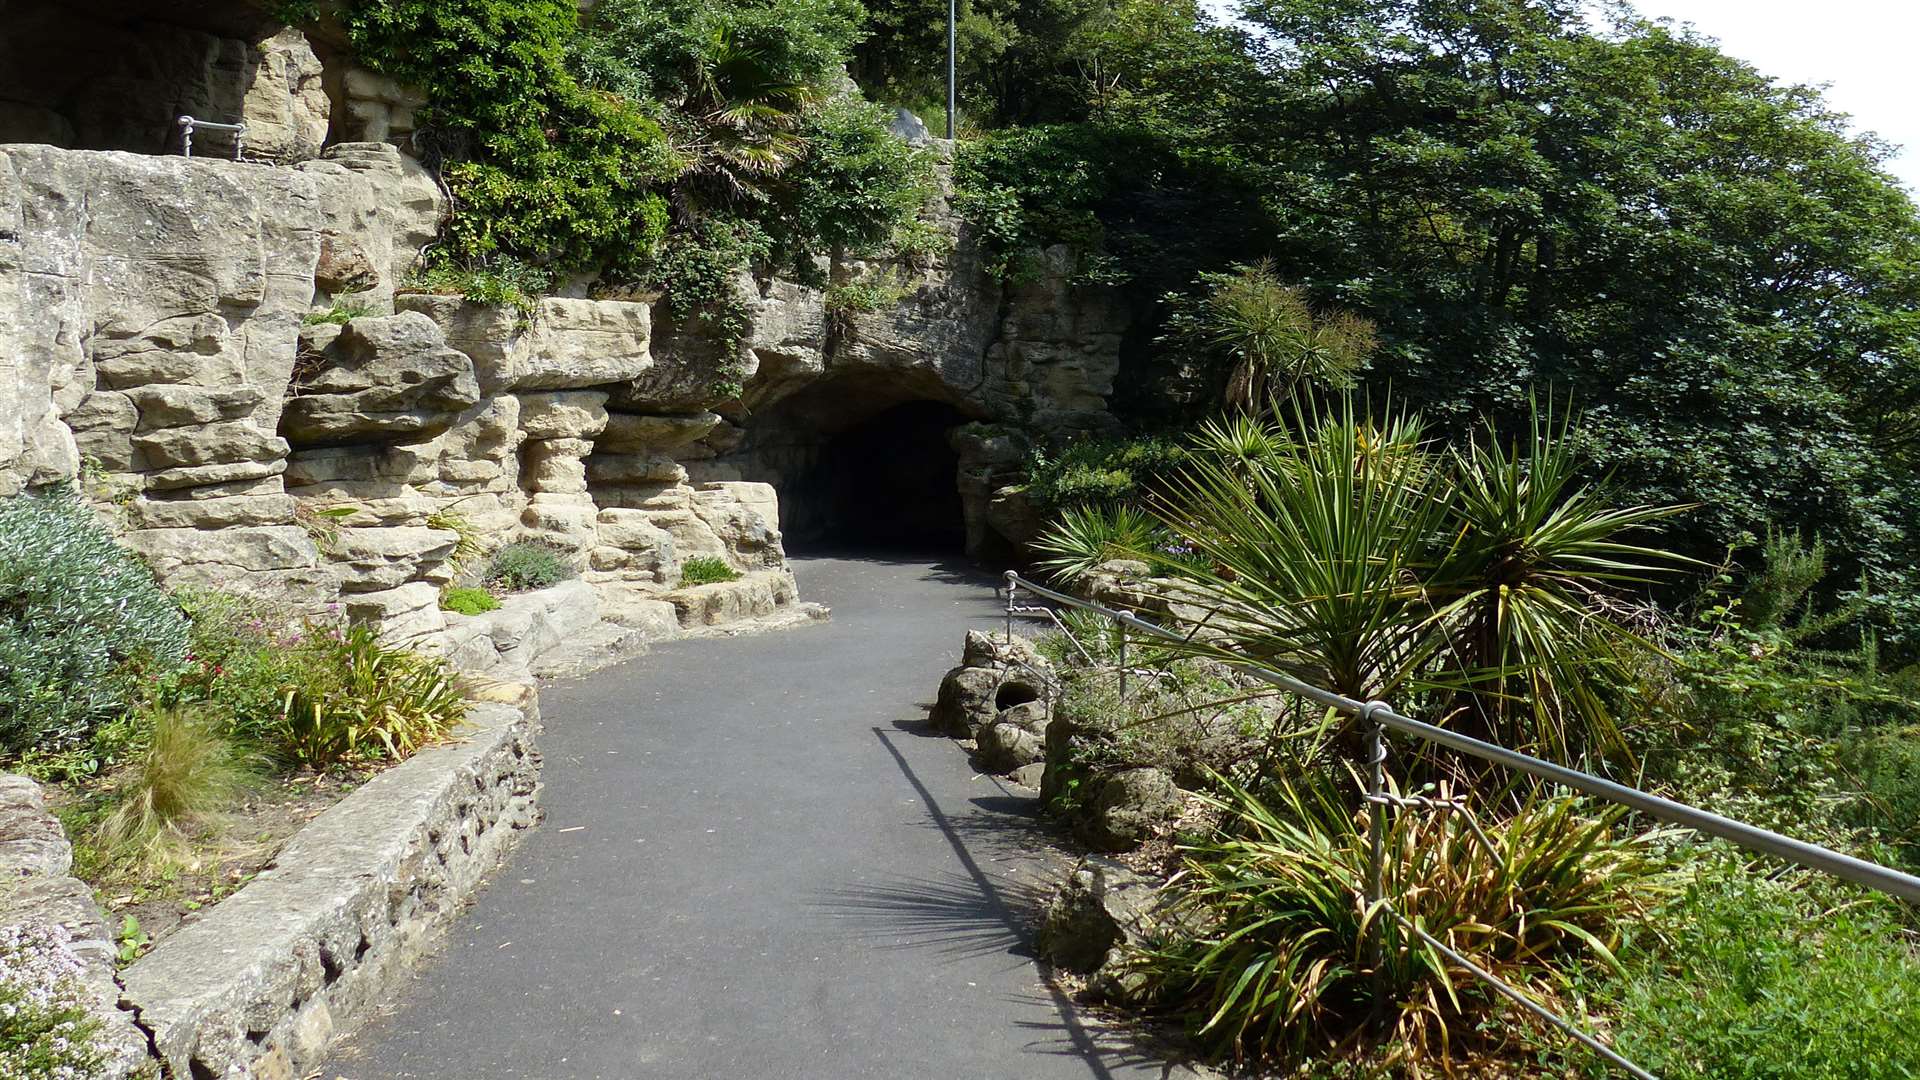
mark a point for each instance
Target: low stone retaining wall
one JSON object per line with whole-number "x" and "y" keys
{"x": 264, "y": 984}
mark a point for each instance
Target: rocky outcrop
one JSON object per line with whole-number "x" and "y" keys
{"x": 37, "y": 892}
{"x": 225, "y": 353}
{"x": 378, "y": 379}
{"x": 998, "y": 681}
{"x": 1102, "y": 906}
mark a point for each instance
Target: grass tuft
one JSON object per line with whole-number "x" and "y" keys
{"x": 185, "y": 777}
{"x": 706, "y": 570}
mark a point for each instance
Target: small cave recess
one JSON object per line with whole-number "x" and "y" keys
{"x": 118, "y": 74}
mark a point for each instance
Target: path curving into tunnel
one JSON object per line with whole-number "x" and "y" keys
{"x": 756, "y": 864}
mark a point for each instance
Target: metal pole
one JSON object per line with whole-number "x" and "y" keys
{"x": 953, "y": 48}
{"x": 1012, "y": 580}
{"x": 1376, "y": 852}
{"x": 1123, "y": 663}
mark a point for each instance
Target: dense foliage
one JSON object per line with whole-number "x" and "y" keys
{"x": 1520, "y": 198}
{"x": 1763, "y": 979}
{"x": 1282, "y": 893}
{"x": 81, "y": 621}
{"x": 655, "y": 144}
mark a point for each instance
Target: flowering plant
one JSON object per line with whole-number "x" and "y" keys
{"x": 45, "y": 1030}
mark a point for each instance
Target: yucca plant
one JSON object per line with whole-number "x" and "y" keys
{"x": 1268, "y": 952}
{"x": 1528, "y": 593}
{"x": 1313, "y": 555}
{"x": 1085, "y": 536}
{"x": 1487, "y": 584}
{"x": 361, "y": 700}
{"x": 1271, "y": 336}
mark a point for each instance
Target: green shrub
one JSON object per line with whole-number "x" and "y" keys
{"x": 706, "y": 570}
{"x": 469, "y": 600}
{"x": 543, "y": 171}
{"x": 46, "y": 1031}
{"x": 1278, "y": 966}
{"x": 245, "y": 656}
{"x": 1101, "y": 470}
{"x": 185, "y": 776}
{"x": 1744, "y": 714}
{"x": 504, "y": 282}
{"x": 1755, "y": 978}
{"x": 81, "y": 621}
{"x": 528, "y": 564}
{"x": 356, "y": 700}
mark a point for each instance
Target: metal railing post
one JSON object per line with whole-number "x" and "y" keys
{"x": 1376, "y": 851}
{"x": 1013, "y": 582}
{"x": 1123, "y": 663}
{"x": 188, "y": 124}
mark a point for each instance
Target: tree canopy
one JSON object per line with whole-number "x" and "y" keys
{"x": 1708, "y": 263}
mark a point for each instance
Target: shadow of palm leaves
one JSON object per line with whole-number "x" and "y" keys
{"x": 953, "y": 915}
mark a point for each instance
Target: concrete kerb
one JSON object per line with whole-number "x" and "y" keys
{"x": 272, "y": 976}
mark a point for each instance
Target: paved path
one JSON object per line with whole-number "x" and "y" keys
{"x": 755, "y": 866}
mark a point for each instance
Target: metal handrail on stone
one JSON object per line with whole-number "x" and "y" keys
{"x": 1381, "y": 719}
{"x": 188, "y": 125}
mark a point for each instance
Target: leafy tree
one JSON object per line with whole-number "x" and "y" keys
{"x": 1721, "y": 277}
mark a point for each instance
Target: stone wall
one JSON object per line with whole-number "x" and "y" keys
{"x": 269, "y": 978}
{"x": 217, "y": 351}
{"x": 226, "y": 356}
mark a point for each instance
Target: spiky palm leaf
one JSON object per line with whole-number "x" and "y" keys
{"x": 1358, "y": 559}
{"x": 1528, "y": 590}
{"x": 1311, "y": 555}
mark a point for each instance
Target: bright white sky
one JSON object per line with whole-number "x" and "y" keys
{"x": 1862, "y": 50}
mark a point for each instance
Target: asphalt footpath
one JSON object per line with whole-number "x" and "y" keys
{"x": 757, "y": 864}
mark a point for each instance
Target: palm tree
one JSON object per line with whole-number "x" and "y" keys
{"x": 1483, "y": 586}
{"x": 744, "y": 115}
{"x": 1274, "y": 339}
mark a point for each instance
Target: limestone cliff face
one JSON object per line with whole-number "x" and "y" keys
{"x": 161, "y": 340}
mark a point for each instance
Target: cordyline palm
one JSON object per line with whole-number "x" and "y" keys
{"x": 1360, "y": 560}
{"x": 1314, "y": 551}
{"x": 1276, "y": 340}
{"x": 1528, "y": 592}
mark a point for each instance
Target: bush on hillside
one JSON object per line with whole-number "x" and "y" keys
{"x": 81, "y": 620}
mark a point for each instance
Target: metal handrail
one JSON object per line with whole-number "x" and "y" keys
{"x": 1380, "y": 718}
{"x": 190, "y": 124}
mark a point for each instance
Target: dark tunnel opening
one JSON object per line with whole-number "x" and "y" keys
{"x": 885, "y": 483}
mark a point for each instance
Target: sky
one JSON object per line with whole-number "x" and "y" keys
{"x": 1863, "y": 50}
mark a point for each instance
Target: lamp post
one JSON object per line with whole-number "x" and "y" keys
{"x": 953, "y": 19}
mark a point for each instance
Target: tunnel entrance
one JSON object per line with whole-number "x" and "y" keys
{"x": 857, "y": 467}
{"x": 118, "y": 74}
{"x": 888, "y": 483}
